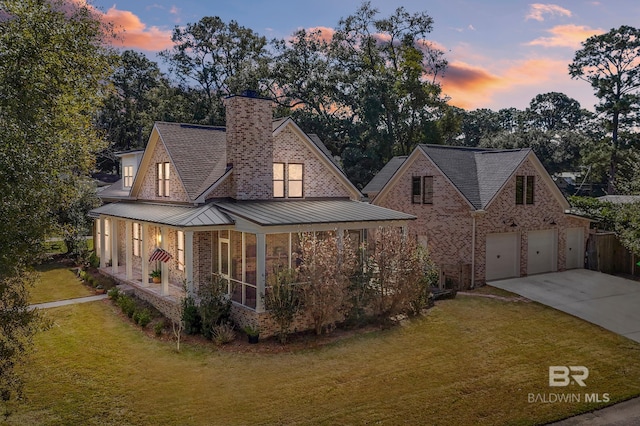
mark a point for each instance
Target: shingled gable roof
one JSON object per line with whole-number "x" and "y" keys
{"x": 198, "y": 153}
{"x": 477, "y": 173}
{"x": 383, "y": 176}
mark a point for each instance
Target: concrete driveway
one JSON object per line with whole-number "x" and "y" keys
{"x": 610, "y": 302}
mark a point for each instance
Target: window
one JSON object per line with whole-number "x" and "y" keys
{"x": 128, "y": 176}
{"x": 422, "y": 190}
{"x": 278, "y": 180}
{"x": 163, "y": 179}
{"x": 416, "y": 190}
{"x": 295, "y": 181}
{"x": 529, "y": 192}
{"x": 525, "y": 189}
{"x": 180, "y": 250}
{"x": 427, "y": 190}
{"x": 137, "y": 239}
{"x": 288, "y": 180}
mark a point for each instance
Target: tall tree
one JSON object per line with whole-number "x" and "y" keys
{"x": 220, "y": 58}
{"x": 53, "y": 64}
{"x": 554, "y": 111}
{"x": 611, "y": 64}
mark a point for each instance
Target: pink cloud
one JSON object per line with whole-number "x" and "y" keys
{"x": 537, "y": 11}
{"x": 472, "y": 87}
{"x": 133, "y": 33}
{"x": 566, "y": 36}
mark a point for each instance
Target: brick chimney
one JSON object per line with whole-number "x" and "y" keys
{"x": 250, "y": 146}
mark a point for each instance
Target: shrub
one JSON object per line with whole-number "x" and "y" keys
{"x": 113, "y": 293}
{"x": 215, "y": 305}
{"x": 127, "y": 304}
{"x": 223, "y": 333}
{"x": 283, "y": 300}
{"x": 190, "y": 316}
{"x": 158, "y": 328}
{"x": 142, "y": 318}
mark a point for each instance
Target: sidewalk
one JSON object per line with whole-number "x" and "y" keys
{"x": 68, "y": 302}
{"x": 621, "y": 414}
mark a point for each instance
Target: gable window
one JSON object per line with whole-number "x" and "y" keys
{"x": 427, "y": 190}
{"x": 128, "y": 176}
{"x": 137, "y": 239}
{"x": 422, "y": 190}
{"x": 288, "y": 180}
{"x": 180, "y": 250}
{"x": 294, "y": 182}
{"x": 416, "y": 190}
{"x": 278, "y": 180}
{"x": 525, "y": 189}
{"x": 163, "y": 179}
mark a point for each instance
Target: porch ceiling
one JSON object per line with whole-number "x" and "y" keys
{"x": 273, "y": 213}
{"x": 184, "y": 216}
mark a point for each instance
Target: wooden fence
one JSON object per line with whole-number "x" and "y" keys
{"x": 606, "y": 254}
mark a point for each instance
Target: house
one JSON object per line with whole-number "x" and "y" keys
{"x": 483, "y": 214}
{"x": 229, "y": 201}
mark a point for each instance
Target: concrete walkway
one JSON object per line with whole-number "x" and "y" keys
{"x": 605, "y": 300}
{"x": 622, "y": 414}
{"x": 68, "y": 302}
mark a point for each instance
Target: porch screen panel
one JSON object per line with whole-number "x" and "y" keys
{"x": 250, "y": 253}
{"x": 236, "y": 265}
{"x": 277, "y": 253}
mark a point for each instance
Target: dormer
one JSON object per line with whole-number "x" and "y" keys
{"x": 129, "y": 165}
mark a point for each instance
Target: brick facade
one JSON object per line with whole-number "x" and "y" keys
{"x": 149, "y": 188}
{"x": 447, "y": 224}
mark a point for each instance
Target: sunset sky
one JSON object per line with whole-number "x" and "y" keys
{"x": 501, "y": 53}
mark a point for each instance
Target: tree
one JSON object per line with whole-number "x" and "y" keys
{"x": 554, "y": 111}
{"x": 53, "y": 65}
{"x": 328, "y": 264}
{"x": 610, "y": 63}
{"x": 221, "y": 59}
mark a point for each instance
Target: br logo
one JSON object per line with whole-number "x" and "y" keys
{"x": 560, "y": 375}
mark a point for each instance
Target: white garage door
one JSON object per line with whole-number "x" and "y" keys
{"x": 575, "y": 248}
{"x": 503, "y": 256}
{"x": 542, "y": 253}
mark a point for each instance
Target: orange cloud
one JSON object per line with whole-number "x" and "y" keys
{"x": 133, "y": 33}
{"x": 538, "y": 10}
{"x": 566, "y": 36}
{"x": 471, "y": 87}
{"x": 326, "y": 33}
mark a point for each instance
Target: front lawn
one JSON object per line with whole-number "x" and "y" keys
{"x": 471, "y": 360}
{"x": 57, "y": 282}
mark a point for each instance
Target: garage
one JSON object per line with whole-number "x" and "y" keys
{"x": 503, "y": 256}
{"x": 575, "y": 248}
{"x": 542, "y": 251}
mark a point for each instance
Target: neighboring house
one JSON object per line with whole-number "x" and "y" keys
{"x": 483, "y": 214}
{"x": 226, "y": 201}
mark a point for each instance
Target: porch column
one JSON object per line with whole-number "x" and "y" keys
{"x": 164, "y": 236}
{"x": 188, "y": 260}
{"x": 103, "y": 251}
{"x": 144, "y": 254}
{"x": 128, "y": 242}
{"x": 114, "y": 245}
{"x": 261, "y": 253}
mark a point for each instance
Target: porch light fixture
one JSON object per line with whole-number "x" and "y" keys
{"x": 550, "y": 220}
{"x": 509, "y": 221}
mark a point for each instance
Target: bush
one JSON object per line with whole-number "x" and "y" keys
{"x": 215, "y": 305}
{"x": 190, "y": 316}
{"x": 142, "y": 318}
{"x": 158, "y": 328}
{"x": 223, "y": 333}
{"x": 127, "y": 304}
{"x": 113, "y": 293}
{"x": 283, "y": 300}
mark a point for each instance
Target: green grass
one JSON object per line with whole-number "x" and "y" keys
{"x": 57, "y": 282}
{"x": 471, "y": 360}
